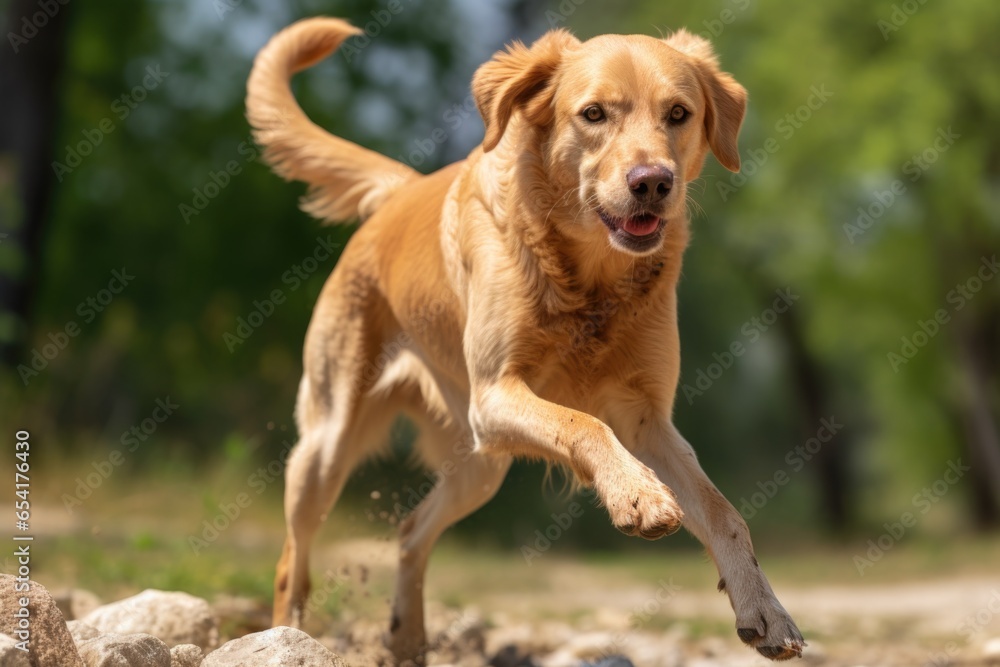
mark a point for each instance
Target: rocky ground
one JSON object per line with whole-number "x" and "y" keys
{"x": 951, "y": 621}
{"x": 920, "y": 606}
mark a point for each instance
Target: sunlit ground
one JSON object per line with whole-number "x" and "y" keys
{"x": 921, "y": 597}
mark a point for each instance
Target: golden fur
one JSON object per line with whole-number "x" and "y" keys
{"x": 521, "y": 302}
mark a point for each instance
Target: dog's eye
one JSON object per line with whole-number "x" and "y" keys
{"x": 594, "y": 113}
{"x": 679, "y": 114}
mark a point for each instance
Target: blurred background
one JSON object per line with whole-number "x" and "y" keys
{"x": 840, "y": 305}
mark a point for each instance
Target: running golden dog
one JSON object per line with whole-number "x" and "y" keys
{"x": 521, "y": 302}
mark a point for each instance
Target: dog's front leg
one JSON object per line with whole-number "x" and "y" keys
{"x": 761, "y": 621}
{"x": 507, "y": 417}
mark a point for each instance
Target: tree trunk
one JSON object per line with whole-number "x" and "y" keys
{"x": 982, "y": 439}
{"x": 830, "y": 463}
{"x": 30, "y": 66}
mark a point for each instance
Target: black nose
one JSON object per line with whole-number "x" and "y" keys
{"x": 650, "y": 183}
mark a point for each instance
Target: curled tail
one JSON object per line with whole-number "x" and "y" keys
{"x": 345, "y": 180}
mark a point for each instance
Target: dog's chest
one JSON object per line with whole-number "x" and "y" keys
{"x": 583, "y": 342}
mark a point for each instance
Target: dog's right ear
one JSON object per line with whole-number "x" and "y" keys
{"x": 519, "y": 78}
{"x": 726, "y": 99}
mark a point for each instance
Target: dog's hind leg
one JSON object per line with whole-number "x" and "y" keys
{"x": 466, "y": 481}
{"x": 317, "y": 469}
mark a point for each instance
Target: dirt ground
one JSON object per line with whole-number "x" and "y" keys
{"x": 577, "y": 613}
{"x": 929, "y": 605}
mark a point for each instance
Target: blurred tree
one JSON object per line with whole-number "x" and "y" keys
{"x": 29, "y": 73}
{"x": 871, "y": 161}
{"x": 166, "y": 143}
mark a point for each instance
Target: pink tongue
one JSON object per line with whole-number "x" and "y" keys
{"x": 642, "y": 226}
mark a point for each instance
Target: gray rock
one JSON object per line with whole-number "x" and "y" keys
{"x": 132, "y": 650}
{"x": 610, "y": 661}
{"x": 50, "y": 643}
{"x": 75, "y": 603}
{"x": 511, "y": 656}
{"x": 277, "y": 647}
{"x": 10, "y": 655}
{"x": 527, "y": 638}
{"x": 174, "y": 618}
{"x": 81, "y": 632}
{"x": 586, "y": 649}
{"x": 186, "y": 655}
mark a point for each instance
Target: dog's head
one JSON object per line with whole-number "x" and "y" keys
{"x": 623, "y": 122}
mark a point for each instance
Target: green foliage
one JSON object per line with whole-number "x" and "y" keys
{"x": 788, "y": 226}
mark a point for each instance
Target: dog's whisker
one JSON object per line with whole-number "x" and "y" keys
{"x": 699, "y": 182}
{"x": 694, "y": 204}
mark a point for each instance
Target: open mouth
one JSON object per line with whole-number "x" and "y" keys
{"x": 639, "y": 233}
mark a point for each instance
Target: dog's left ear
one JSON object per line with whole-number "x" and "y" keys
{"x": 519, "y": 78}
{"x": 727, "y": 100}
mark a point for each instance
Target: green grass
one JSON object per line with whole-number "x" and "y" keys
{"x": 132, "y": 534}
{"x": 117, "y": 565}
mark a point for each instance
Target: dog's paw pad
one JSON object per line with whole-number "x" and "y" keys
{"x": 781, "y": 652}
{"x": 774, "y": 635}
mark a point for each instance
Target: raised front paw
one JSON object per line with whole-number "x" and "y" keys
{"x": 642, "y": 505}
{"x": 767, "y": 627}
